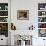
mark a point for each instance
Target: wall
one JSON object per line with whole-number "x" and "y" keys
{"x": 21, "y": 5}
{"x": 32, "y": 6}
{"x": 23, "y": 25}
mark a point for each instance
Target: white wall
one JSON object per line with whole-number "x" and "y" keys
{"x": 21, "y": 5}
{"x": 32, "y": 6}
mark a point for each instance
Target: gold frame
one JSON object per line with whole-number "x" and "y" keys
{"x": 22, "y": 14}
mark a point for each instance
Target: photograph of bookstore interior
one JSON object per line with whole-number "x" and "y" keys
{"x": 22, "y": 22}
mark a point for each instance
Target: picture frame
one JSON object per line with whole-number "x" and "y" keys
{"x": 22, "y": 14}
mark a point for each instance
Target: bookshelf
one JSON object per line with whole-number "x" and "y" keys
{"x": 42, "y": 19}
{"x": 4, "y": 19}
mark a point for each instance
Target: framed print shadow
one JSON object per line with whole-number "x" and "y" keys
{"x": 22, "y": 14}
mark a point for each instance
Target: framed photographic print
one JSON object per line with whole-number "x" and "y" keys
{"x": 22, "y": 14}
